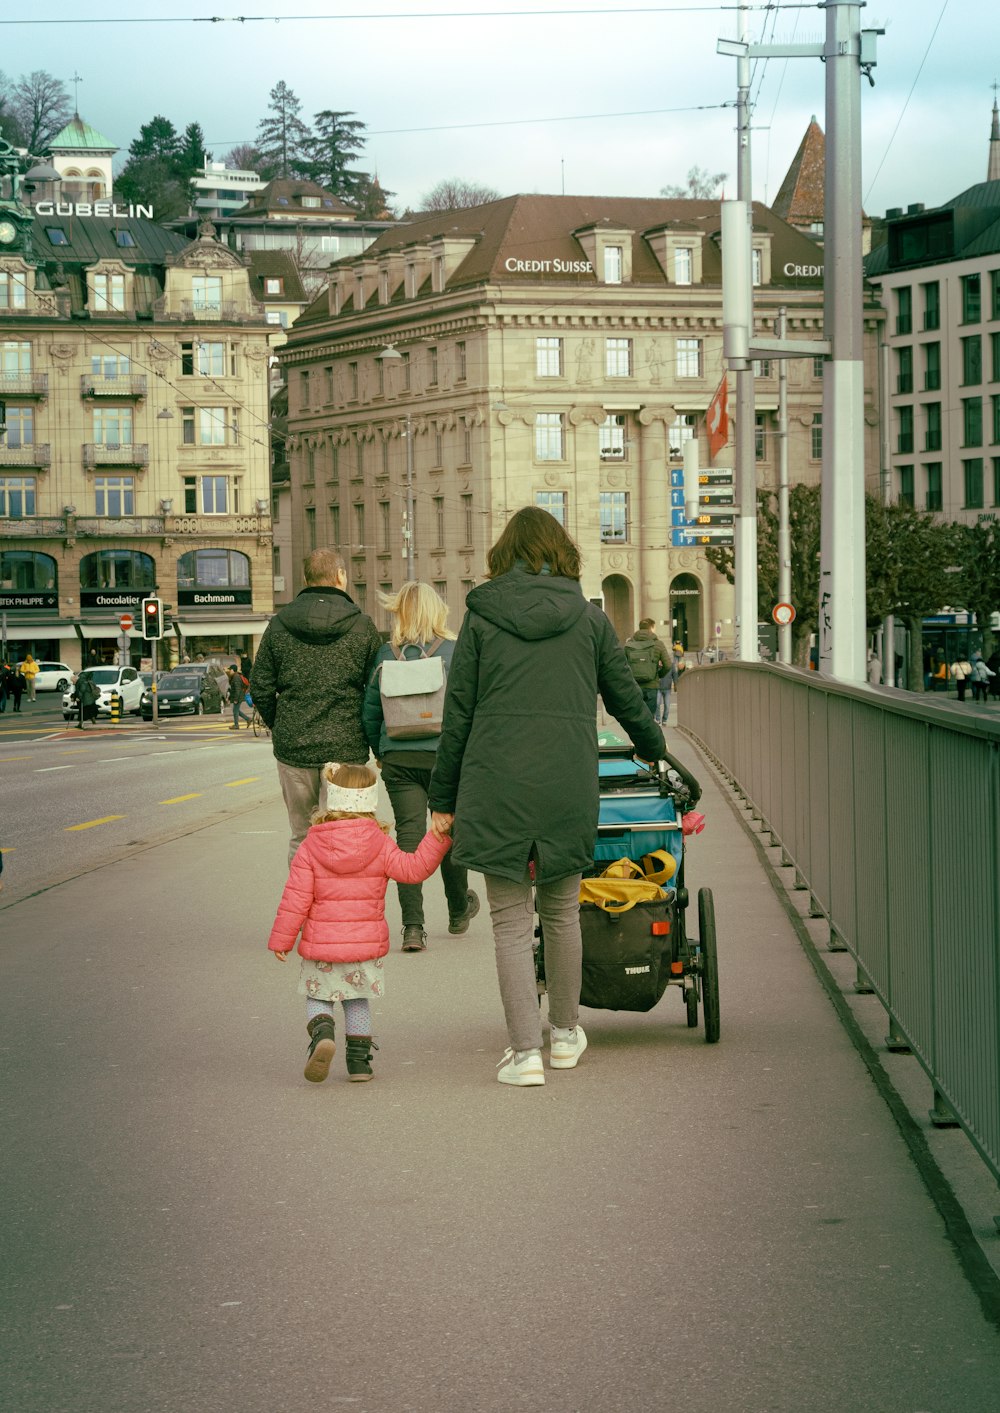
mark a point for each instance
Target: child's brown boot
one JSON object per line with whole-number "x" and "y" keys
{"x": 359, "y": 1056}
{"x": 322, "y": 1046}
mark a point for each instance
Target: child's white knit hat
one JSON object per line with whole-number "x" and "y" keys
{"x": 338, "y": 797}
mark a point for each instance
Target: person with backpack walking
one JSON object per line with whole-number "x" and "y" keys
{"x": 516, "y": 770}
{"x": 335, "y": 896}
{"x": 649, "y": 660}
{"x": 237, "y": 696}
{"x": 981, "y": 674}
{"x": 406, "y": 747}
{"x": 961, "y": 670}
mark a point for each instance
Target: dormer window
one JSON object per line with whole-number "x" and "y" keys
{"x": 613, "y": 264}
{"x": 328, "y": 203}
{"x": 109, "y": 292}
{"x": 56, "y": 235}
{"x": 274, "y": 284}
{"x": 311, "y": 201}
{"x": 124, "y": 238}
{"x": 683, "y": 265}
{"x": 282, "y": 201}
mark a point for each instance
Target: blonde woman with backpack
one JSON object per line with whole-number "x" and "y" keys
{"x": 419, "y": 629}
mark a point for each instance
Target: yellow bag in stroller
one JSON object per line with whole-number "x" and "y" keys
{"x": 625, "y": 883}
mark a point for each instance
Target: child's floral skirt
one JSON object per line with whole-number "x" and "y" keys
{"x": 341, "y": 981}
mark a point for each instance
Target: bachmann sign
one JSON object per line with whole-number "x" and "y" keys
{"x": 9, "y": 599}
{"x": 213, "y": 598}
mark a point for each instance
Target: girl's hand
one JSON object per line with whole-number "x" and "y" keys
{"x": 282, "y": 956}
{"x": 441, "y": 824}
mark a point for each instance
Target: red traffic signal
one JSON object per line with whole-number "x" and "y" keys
{"x": 152, "y": 619}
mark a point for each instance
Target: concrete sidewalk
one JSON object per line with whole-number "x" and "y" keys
{"x": 189, "y": 1227}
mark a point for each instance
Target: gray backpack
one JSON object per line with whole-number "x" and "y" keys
{"x": 412, "y": 692}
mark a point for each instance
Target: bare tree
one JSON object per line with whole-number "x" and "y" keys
{"x": 700, "y": 186}
{"x": 41, "y": 105}
{"x": 453, "y": 194}
{"x": 244, "y": 158}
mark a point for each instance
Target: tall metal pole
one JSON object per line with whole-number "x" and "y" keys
{"x": 784, "y": 527}
{"x": 410, "y": 574}
{"x": 745, "y": 538}
{"x": 842, "y": 540}
{"x": 885, "y": 487}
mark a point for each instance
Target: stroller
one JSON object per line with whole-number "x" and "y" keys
{"x": 633, "y": 953}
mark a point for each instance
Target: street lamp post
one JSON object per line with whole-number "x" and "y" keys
{"x": 391, "y": 352}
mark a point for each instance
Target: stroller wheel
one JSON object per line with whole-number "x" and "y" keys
{"x": 691, "y": 998}
{"x": 709, "y": 964}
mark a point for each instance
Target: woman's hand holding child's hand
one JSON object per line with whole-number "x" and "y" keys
{"x": 441, "y": 824}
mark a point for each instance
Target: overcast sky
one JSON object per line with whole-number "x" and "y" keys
{"x": 615, "y": 99}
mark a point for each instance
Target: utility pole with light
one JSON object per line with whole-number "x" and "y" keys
{"x": 389, "y": 353}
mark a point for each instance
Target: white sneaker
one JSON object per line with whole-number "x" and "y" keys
{"x": 567, "y": 1047}
{"x": 521, "y": 1067}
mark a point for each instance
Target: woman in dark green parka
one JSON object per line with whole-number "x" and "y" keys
{"x": 516, "y": 769}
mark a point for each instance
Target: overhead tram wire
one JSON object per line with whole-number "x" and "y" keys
{"x": 508, "y": 13}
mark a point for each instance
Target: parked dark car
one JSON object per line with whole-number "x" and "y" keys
{"x": 177, "y": 692}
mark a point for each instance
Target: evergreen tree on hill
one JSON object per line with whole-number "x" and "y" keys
{"x": 337, "y": 143}
{"x": 283, "y": 140}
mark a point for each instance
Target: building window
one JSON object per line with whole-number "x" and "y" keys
{"x": 406, "y": 372}
{"x": 432, "y": 364}
{"x": 56, "y": 235}
{"x": 17, "y": 497}
{"x": 996, "y": 480}
{"x": 906, "y": 485}
{"x": 461, "y": 362}
{"x": 760, "y": 436}
{"x": 818, "y": 365}
{"x": 614, "y": 516}
{"x": 816, "y": 437}
{"x": 205, "y": 426}
{"x": 995, "y": 417}
{"x": 468, "y": 520}
{"x": 273, "y": 284}
{"x": 438, "y": 449}
{"x": 303, "y": 390}
{"x": 904, "y": 310}
{"x": 13, "y": 292}
{"x": 109, "y": 292}
{"x": 328, "y": 384}
{"x": 995, "y": 358}
{"x": 362, "y": 457}
{"x": 352, "y": 382}
{"x": 618, "y": 358}
{"x": 15, "y": 358}
{"x": 379, "y": 377}
{"x": 932, "y": 305}
{"x": 932, "y": 367}
{"x": 334, "y": 464}
{"x": 972, "y": 421}
{"x": 206, "y": 293}
{"x": 310, "y": 527}
{"x": 972, "y": 360}
{"x": 972, "y": 308}
{"x": 310, "y": 475}
{"x": 689, "y": 358}
{"x": 438, "y": 522}
{"x": 208, "y": 359}
{"x": 384, "y": 526}
{"x": 972, "y": 472}
{"x": 681, "y": 430}
{"x": 20, "y": 426}
{"x": 613, "y": 264}
{"x": 549, "y": 436}
{"x": 932, "y": 499}
{"x": 548, "y": 358}
{"x": 904, "y": 369}
{"x": 206, "y": 495}
{"x": 904, "y": 441}
{"x": 112, "y": 426}
{"x": 756, "y": 265}
{"x": 359, "y": 525}
{"x": 554, "y": 502}
{"x": 117, "y": 569}
{"x": 335, "y": 526}
{"x": 114, "y": 496}
{"x": 762, "y": 367}
{"x": 611, "y": 437}
{"x": 683, "y": 265}
{"x": 276, "y": 316}
{"x": 361, "y": 595}
{"x": 932, "y": 426}
{"x": 466, "y": 445}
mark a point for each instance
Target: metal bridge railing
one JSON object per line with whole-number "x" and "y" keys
{"x": 888, "y": 807}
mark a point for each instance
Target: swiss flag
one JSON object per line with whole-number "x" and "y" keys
{"x": 717, "y": 419}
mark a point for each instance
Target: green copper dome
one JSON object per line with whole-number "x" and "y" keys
{"x": 78, "y": 134}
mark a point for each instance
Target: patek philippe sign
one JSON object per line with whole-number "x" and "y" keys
{"x": 108, "y": 209}
{"x": 214, "y": 598}
{"x": 112, "y": 598}
{"x": 13, "y": 599}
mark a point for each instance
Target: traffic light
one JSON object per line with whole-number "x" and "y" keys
{"x": 152, "y": 619}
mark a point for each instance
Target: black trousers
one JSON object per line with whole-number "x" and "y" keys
{"x": 406, "y": 787}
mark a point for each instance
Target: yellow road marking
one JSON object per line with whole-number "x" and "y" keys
{"x": 248, "y": 781}
{"x": 91, "y": 822}
{"x": 178, "y": 798}
{"x": 3, "y": 758}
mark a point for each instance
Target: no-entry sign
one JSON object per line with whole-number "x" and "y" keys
{"x": 125, "y": 622}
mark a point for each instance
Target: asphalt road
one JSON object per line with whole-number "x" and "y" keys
{"x": 189, "y": 1227}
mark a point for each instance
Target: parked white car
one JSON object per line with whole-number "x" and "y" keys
{"x": 123, "y": 680}
{"x": 54, "y": 677}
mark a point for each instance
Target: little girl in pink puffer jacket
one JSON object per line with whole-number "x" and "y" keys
{"x": 335, "y": 895}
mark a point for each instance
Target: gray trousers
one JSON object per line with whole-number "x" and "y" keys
{"x": 513, "y": 936}
{"x": 301, "y": 786}
{"x": 407, "y": 787}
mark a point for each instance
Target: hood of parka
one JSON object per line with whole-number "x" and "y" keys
{"x": 530, "y": 606}
{"x": 347, "y": 846}
{"x": 319, "y": 615}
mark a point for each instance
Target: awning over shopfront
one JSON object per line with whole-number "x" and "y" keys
{"x": 219, "y": 627}
{"x": 110, "y": 630}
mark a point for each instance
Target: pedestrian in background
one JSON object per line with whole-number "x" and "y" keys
{"x": 666, "y": 682}
{"x": 961, "y": 670}
{"x": 308, "y": 682}
{"x": 6, "y": 684}
{"x": 516, "y": 769}
{"x": 237, "y": 697}
{"x": 30, "y": 669}
{"x": 419, "y": 627}
{"x": 335, "y": 896}
{"x": 17, "y": 686}
{"x": 211, "y": 697}
{"x": 87, "y": 695}
{"x": 993, "y": 663}
{"x": 981, "y": 674}
{"x": 648, "y": 658}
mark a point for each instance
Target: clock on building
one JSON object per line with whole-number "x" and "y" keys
{"x": 8, "y": 232}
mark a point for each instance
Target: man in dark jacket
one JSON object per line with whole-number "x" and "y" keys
{"x": 308, "y": 683}
{"x": 649, "y": 659}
